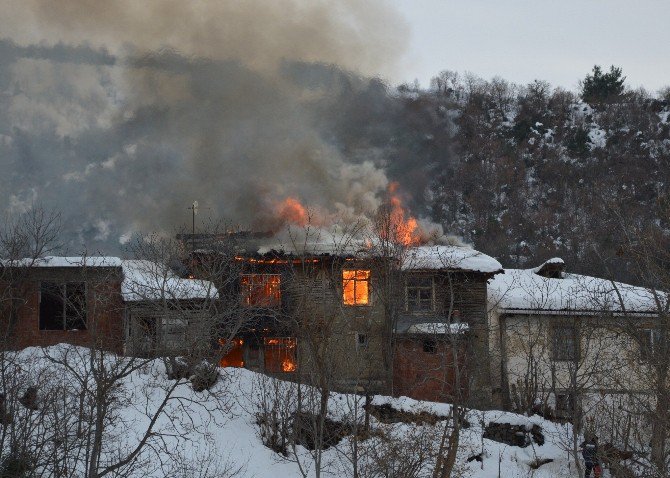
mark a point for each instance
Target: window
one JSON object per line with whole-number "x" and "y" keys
{"x": 419, "y": 293}
{"x": 234, "y": 352}
{"x": 280, "y": 354}
{"x": 430, "y": 346}
{"x": 565, "y": 405}
{"x": 356, "y": 287}
{"x": 62, "y": 306}
{"x": 361, "y": 341}
{"x": 649, "y": 342}
{"x": 173, "y": 332}
{"x": 566, "y": 343}
{"x": 261, "y": 290}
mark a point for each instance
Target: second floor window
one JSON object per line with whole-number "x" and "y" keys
{"x": 62, "y": 306}
{"x": 650, "y": 340}
{"x": 565, "y": 343}
{"x": 419, "y": 293}
{"x": 261, "y": 290}
{"x": 356, "y": 287}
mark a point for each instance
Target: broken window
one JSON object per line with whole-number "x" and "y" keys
{"x": 566, "y": 343}
{"x": 62, "y": 306}
{"x": 234, "y": 356}
{"x": 356, "y": 287}
{"x": 261, "y": 290}
{"x": 280, "y": 354}
{"x": 419, "y": 293}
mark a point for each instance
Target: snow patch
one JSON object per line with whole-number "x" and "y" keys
{"x": 74, "y": 261}
{"x": 439, "y": 328}
{"x": 450, "y": 258}
{"x": 146, "y": 280}
{"x": 524, "y": 289}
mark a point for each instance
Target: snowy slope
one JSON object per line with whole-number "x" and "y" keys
{"x": 221, "y": 424}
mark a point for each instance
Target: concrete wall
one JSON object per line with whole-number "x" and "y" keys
{"x": 608, "y": 363}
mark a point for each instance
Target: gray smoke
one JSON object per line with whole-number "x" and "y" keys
{"x": 120, "y": 116}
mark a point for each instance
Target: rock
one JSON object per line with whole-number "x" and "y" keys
{"x": 204, "y": 376}
{"x": 29, "y": 399}
{"x": 514, "y": 435}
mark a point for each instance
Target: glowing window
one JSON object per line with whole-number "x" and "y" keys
{"x": 261, "y": 290}
{"x": 280, "y": 354}
{"x": 234, "y": 352}
{"x": 356, "y": 287}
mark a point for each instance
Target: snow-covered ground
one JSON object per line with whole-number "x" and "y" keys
{"x": 219, "y": 427}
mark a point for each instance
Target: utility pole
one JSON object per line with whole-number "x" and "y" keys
{"x": 194, "y": 208}
{"x": 194, "y": 211}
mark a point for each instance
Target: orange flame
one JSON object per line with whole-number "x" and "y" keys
{"x": 291, "y": 211}
{"x": 405, "y": 228}
{"x": 288, "y": 365}
{"x": 355, "y": 287}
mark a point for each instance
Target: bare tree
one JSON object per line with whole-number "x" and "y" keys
{"x": 78, "y": 410}
{"x": 646, "y": 248}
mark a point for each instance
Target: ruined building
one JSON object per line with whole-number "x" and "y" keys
{"x": 410, "y": 323}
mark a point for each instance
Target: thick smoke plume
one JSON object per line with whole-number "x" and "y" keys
{"x": 120, "y": 114}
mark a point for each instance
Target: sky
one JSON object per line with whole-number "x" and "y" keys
{"x": 523, "y": 40}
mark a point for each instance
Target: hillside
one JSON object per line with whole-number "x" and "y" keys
{"x": 529, "y": 172}
{"x": 217, "y": 432}
{"x": 522, "y": 172}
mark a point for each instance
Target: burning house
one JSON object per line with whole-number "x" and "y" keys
{"x": 411, "y": 322}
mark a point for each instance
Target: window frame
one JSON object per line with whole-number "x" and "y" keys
{"x": 247, "y": 291}
{"x": 80, "y": 319}
{"x": 432, "y": 293}
{"x": 559, "y": 352}
{"x": 285, "y": 343}
{"x": 568, "y": 398}
{"x": 648, "y": 348}
{"x": 355, "y": 280}
{"x": 362, "y": 345}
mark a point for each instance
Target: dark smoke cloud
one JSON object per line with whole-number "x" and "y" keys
{"x": 236, "y": 105}
{"x": 359, "y": 35}
{"x": 60, "y": 52}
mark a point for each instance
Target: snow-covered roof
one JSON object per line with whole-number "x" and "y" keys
{"x": 450, "y": 258}
{"x": 146, "y": 280}
{"x": 72, "y": 261}
{"x": 526, "y": 290}
{"x": 440, "y": 328}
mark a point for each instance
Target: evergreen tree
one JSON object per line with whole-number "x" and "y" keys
{"x": 599, "y": 87}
